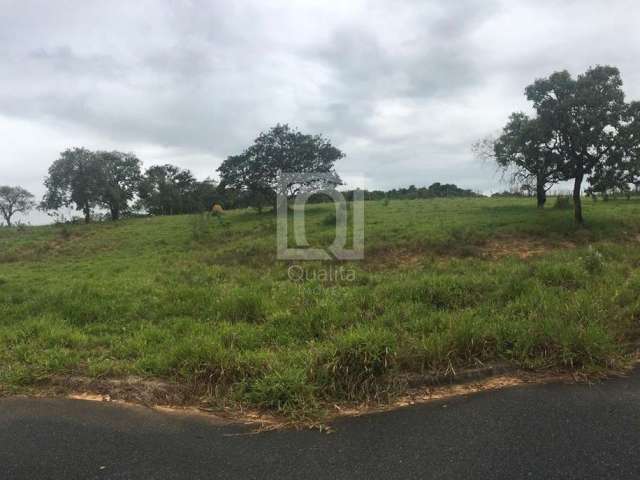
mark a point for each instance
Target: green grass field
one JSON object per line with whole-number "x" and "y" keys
{"x": 445, "y": 283}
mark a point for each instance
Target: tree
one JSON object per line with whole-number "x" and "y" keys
{"x": 14, "y": 200}
{"x": 168, "y": 190}
{"x": 621, "y": 167}
{"x": 206, "y": 193}
{"x": 245, "y": 177}
{"x": 74, "y": 179}
{"x": 118, "y": 179}
{"x": 87, "y": 180}
{"x": 281, "y": 150}
{"x": 631, "y": 137}
{"x": 583, "y": 117}
{"x": 526, "y": 148}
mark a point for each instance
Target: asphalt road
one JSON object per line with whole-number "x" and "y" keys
{"x": 542, "y": 431}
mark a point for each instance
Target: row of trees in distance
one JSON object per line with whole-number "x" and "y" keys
{"x": 435, "y": 190}
{"x": 113, "y": 181}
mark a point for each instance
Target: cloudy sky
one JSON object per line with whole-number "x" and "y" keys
{"x": 402, "y": 87}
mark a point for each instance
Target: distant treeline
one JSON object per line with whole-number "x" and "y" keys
{"x": 435, "y": 190}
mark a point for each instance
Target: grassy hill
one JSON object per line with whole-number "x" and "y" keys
{"x": 445, "y": 283}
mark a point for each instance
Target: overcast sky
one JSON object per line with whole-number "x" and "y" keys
{"x": 402, "y": 87}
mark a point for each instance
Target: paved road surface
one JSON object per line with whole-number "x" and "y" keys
{"x": 543, "y": 431}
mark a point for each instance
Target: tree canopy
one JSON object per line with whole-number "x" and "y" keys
{"x": 257, "y": 171}
{"x": 119, "y": 176}
{"x": 86, "y": 180}
{"x": 14, "y": 200}
{"x": 583, "y": 129}
{"x": 165, "y": 189}
{"x": 525, "y": 148}
{"x": 584, "y": 118}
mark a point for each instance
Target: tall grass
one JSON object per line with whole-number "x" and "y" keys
{"x": 209, "y": 306}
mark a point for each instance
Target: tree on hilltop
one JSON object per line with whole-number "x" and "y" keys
{"x": 281, "y": 150}
{"x": 87, "y": 180}
{"x": 14, "y": 200}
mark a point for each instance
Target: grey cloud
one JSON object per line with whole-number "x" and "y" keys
{"x": 403, "y": 87}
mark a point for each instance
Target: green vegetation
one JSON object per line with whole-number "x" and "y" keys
{"x": 582, "y": 130}
{"x": 14, "y": 200}
{"x": 261, "y": 172}
{"x": 445, "y": 283}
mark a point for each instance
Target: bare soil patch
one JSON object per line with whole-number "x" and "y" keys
{"x": 522, "y": 248}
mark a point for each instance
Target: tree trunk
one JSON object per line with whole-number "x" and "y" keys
{"x": 577, "y": 198}
{"x": 87, "y": 214}
{"x": 7, "y": 213}
{"x": 541, "y": 193}
{"x": 115, "y": 214}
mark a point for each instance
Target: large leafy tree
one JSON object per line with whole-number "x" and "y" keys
{"x": 244, "y": 176}
{"x": 526, "y": 149}
{"x": 584, "y": 117}
{"x": 86, "y": 180}
{"x": 14, "y": 200}
{"x": 168, "y": 190}
{"x": 257, "y": 171}
{"x": 74, "y": 180}
{"x": 621, "y": 167}
{"x": 119, "y": 177}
